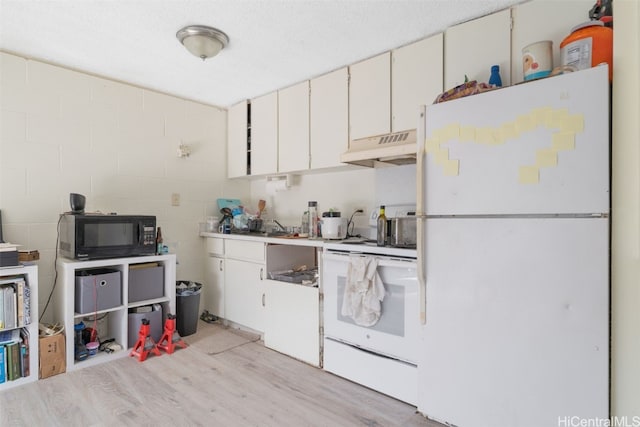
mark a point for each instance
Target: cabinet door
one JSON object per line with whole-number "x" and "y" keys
{"x": 244, "y": 293}
{"x": 264, "y": 134}
{"x": 527, "y": 28}
{"x": 329, "y": 121}
{"x": 416, "y": 79}
{"x": 473, "y": 47}
{"x": 214, "y": 288}
{"x": 292, "y": 324}
{"x": 237, "y": 140}
{"x": 370, "y": 97}
{"x": 293, "y": 128}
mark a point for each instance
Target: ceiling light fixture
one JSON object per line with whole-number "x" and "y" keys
{"x": 203, "y": 42}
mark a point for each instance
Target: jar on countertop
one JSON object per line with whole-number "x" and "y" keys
{"x": 588, "y": 45}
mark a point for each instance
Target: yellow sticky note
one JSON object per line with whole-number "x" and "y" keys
{"x": 563, "y": 141}
{"x": 431, "y": 145}
{"x": 439, "y": 134}
{"x": 557, "y": 119}
{"x": 467, "y": 133}
{"x": 452, "y": 131}
{"x": 546, "y": 158}
{"x": 540, "y": 115}
{"x": 484, "y": 136}
{"x": 441, "y": 156}
{"x": 574, "y": 123}
{"x": 529, "y": 175}
{"x": 524, "y": 124}
{"x": 451, "y": 167}
{"x": 508, "y": 131}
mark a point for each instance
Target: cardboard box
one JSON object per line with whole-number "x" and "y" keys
{"x": 52, "y": 355}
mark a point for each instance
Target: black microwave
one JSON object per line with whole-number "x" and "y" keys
{"x": 96, "y": 236}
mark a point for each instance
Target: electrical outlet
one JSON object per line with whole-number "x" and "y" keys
{"x": 175, "y": 199}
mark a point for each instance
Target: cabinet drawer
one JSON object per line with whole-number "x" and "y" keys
{"x": 215, "y": 246}
{"x": 240, "y": 249}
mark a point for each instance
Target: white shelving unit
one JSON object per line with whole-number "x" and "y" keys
{"x": 31, "y": 274}
{"x": 117, "y": 319}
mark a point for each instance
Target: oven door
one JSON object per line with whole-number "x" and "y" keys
{"x": 396, "y": 333}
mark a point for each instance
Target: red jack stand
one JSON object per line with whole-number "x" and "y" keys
{"x": 145, "y": 343}
{"x": 170, "y": 335}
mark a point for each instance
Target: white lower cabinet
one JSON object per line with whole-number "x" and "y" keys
{"x": 213, "y": 294}
{"x": 244, "y": 293}
{"x": 292, "y": 321}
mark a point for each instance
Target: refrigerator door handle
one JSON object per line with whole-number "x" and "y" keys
{"x": 421, "y": 214}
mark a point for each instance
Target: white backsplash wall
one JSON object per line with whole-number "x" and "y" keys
{"x": 344, "y": 191}
{"x": 63, "y": 131}
{"x": 396, "y": 185}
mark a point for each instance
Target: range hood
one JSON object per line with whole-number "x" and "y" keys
{"x": 398, "y": 148}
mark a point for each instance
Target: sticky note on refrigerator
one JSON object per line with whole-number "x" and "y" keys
{"x": 467, "y": 134}
{"x": 557, "y": 118}
{"x": 441, "y": 156}
{"x": 547, "y": 157}
{"x": 451, "y": 131}
{"x": 529, "y": 175}
{"x": 524, "y": 123}
{"x": 508, "y": 131}
{"x": 484, "y": 136}
{"x": 451, "y": 167}
{"x": 574, "y": 123}
{"x": 562, "y": 141}
{"x": 540, "y": 115}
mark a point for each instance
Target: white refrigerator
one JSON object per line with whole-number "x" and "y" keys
{"x": 513, "y": 238}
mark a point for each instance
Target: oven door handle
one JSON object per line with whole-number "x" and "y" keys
{"x": 382, "y": 261}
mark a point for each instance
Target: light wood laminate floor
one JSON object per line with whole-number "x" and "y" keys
{"x": 224, "y": 377}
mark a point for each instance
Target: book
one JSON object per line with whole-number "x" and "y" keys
{"x": 10, "y": 336}
{"x": 3, "y": 364}
{"x": 20, "y": 302}
{"x": 13, "y": 367}
{"x": 27, "y": 304}
{"x": 24, "y": 350}
{"x": 9, "y": 306}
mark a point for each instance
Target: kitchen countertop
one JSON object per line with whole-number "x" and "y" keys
{"x": 345, "y": 245}
{"x": 274, "y": 240}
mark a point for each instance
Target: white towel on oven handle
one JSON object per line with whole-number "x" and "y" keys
{"x": 363, "y": 291}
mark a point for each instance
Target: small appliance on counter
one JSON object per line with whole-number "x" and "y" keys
{"x": 333, "y": 225}
{"x": 401, "y": 220}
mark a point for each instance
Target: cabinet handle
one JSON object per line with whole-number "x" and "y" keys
{"x": 261, "y": 274}
{"x": 220, "y": 265}
{"x": 263, "y": 300}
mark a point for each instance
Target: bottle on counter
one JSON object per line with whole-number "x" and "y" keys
{"x": 494, "y": 78}
{"x": 313, "y": 220}
{"x": 304, "y": 229}
{"x": 159, "y": 242}
{"x": 382, "y": 228}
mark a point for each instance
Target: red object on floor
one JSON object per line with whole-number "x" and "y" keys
{"x": 145, "y": 343}
{"x": 170, "y": 336}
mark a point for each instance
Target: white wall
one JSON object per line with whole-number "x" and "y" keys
{"x": 63, "y": 131}
{"x": 625, "y": 253}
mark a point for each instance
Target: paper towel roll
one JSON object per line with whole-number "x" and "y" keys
{"x": 276, "y": 185}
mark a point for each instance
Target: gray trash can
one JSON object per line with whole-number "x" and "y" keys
{"x": 187, "y": 306}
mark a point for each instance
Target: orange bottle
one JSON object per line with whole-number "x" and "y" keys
{"x": 589, "y": 44}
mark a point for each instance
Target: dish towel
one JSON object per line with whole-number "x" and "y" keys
{"x": 363, "y": 292}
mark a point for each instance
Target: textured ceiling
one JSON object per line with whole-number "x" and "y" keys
{"x": 274, "y": 43}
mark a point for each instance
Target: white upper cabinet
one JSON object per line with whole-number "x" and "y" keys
{"x": 527, "y": 27}
{"x": 329, "y": 122}
{"x": 473, "y": 47}
{"x": 264, "y": 134}
{"x": 293, "y": 128}
{"x": 370, "y": 97}
{"x": 416, "y": 79}
{"x": 237, "y": 140}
